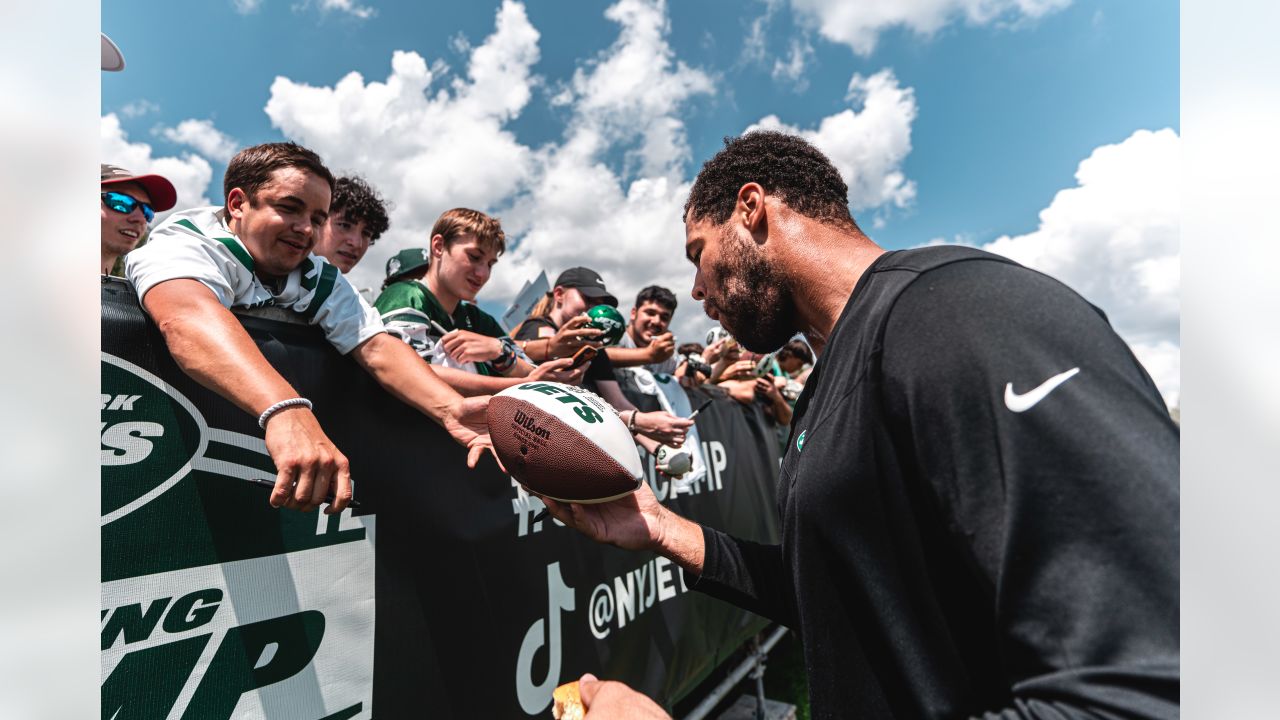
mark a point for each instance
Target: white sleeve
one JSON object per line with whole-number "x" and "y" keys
{"x": 173, "y": 252}
{"x": 346, "y": 318}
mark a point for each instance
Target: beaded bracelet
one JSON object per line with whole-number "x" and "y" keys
{"x": 291, "y": 402}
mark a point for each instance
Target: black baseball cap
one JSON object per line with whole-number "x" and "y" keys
{"x": 589, "y": 283}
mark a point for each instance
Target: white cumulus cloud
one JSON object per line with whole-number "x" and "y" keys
{"x": 1115, "y": 239}
{"x": 203, "y": 137}
{"x": 189, "y": 174}
{"x": 626, "y": 225}
{"x": 868, "y": 142}
{"x": 349, "y": 7}
{"x": 792, "y": 70}
{"x": 630, "y": 94}
{"x": 425, "y": 144}
{"x": 859, "y": 24}
{"x": 138, "y": 108}
{"x": 607, "y": 194}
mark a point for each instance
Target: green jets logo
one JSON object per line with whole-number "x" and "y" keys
{"x": 150, "y": 436}
{"x": 800, "y": 441}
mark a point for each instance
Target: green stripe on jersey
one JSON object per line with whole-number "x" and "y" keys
{"x": 236, "y": 249}
{"x": 190, "y": 226}
{"x": 328, "y": 277}
{"x": 309, "y": 280}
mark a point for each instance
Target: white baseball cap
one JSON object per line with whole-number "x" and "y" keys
{"x": 112, "y": 58}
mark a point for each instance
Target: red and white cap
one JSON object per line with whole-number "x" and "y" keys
{"x": 163, "y": 195}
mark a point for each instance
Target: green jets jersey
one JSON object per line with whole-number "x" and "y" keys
{"x": 409, "y": 309}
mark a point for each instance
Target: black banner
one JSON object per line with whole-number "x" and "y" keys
{"x": 217, "y": 606}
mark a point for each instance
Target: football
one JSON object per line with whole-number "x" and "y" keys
{"x": 608, "y": 319}
{"x": 564, "y": 442}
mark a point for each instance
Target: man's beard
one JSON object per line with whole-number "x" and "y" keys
{"x": 757, "y": 305}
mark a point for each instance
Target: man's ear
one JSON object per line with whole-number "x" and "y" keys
{"x": 749, "y": 210}
{"x": 437, "y": 245}
{"x": 236, "y": 200}
{"x": 557, "y": 296}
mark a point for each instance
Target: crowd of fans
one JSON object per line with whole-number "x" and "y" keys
{"x": 287, "y": 233}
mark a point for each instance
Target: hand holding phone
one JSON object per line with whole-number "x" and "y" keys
{"x": 585, "y": 354}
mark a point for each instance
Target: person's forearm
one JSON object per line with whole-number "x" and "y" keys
{"x": 781, "y": 410}
{"x": 538, "y": 349}
{"x": 212, "y": 347}
{"x": 469, "y": 383}
{"x": 629, "y": 357}
{"x": 399, "y": 370}
{"x": 612, "y": 394}
{"x": 519, "y": 369}
{"x": 680, "y": 541}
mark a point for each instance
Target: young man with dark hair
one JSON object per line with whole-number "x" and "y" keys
{"x": 253, "y": 251}
{"x": 429, "y": 302}
{"x": 979, "y": 496}
{"x": 357, "y": 218}
{"x": 646, "y": 341}
{"x": 129, "y": 202}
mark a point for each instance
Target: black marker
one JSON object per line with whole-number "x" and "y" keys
{"x": 701, "y": 407}
{"x": 268, "y": 484}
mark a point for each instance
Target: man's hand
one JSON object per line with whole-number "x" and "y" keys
{"x": 559, "y": 371}
{"x": 767, "y": 390}
{"x": 662, "y": 426}
{"x": 661, "y": 347}
{"x": 739, "y": 370}
{"x": 465, "y": 346}
{"x": 636, "y": 522}
{"x": 573, "y": 335}
{"x": 633, "y": 522}
{"x": 465, "y": 420}
{"x": 714, "y": 351}
{"x": 307, "y": 464}
{"x": 609, "y": 699}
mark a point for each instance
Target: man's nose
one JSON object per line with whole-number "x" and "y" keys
{"x": 699, "y": 292}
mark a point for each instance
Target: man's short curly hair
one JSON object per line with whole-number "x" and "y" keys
{"x": 359, "y": 202}
{"x": 784, "y": 165}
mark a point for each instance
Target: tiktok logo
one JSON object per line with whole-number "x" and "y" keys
{"x": 535, "y": 697}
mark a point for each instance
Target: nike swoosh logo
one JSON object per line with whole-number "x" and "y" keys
{"x": 1026, "y": 401}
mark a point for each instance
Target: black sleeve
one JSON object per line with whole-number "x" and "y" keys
{"x": 601, "y": 368}
{"x": 529, "y": 328}
{"x": 748, "y": 574}
{"x": 1054, "y": 464}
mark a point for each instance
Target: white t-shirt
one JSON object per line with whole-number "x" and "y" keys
{"x": 197, "y": 244}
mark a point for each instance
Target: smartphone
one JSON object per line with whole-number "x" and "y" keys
{"x": 585, "y": 354}
{"x": 762, "y": 367}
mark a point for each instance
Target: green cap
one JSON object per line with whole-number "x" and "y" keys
{"x": 608, "y": 319}
{"x": 407, "y": 260}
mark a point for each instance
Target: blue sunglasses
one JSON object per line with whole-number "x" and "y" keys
{"x": 124, "y": 204}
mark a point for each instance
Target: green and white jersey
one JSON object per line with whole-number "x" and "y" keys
{"x": 197, "y": 244}
{"x": 411, "y": 312}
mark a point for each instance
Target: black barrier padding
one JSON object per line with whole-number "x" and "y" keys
{"x": 459, "y": 587}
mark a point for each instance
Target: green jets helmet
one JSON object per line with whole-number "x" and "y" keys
{"x": 608, "y": 319}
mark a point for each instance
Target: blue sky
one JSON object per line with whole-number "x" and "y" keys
{"x": 983, "y": 120}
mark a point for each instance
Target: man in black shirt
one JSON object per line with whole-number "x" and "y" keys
{"x": 979, "y": 497}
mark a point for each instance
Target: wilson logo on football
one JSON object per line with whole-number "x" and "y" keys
{"x": 527, "y": 423}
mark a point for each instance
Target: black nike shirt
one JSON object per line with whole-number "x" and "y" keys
{"x": 979, "y": 505}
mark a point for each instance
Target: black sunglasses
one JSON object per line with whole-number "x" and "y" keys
{"x": 124, "y": 204}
